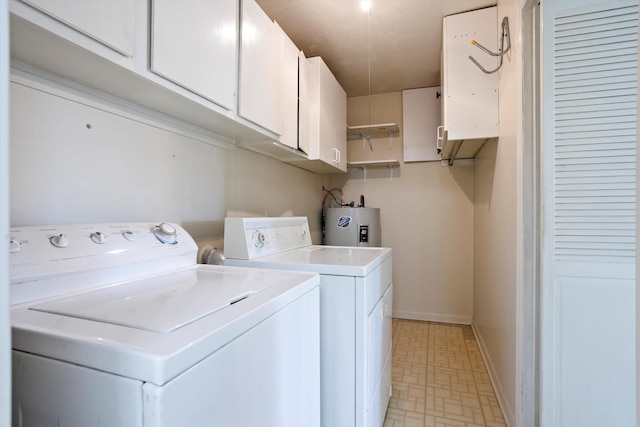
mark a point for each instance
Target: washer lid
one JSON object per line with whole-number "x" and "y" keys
{"x": 159, "y": 304}
{"x": 114, "y": 329}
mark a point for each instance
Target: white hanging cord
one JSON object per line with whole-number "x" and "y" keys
{"x": 369, "y": 74}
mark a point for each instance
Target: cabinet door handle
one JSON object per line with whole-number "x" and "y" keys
{"x": 336, "y": 155}
{"x": 439, "y": 137}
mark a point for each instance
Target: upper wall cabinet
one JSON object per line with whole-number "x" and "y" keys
{"x": 58, "y": 36}
{"x": 194, "y": 43}
{"x": 420, "y": 119}
{"x": 288, "y": 128}
{"x": 109, "y": 22}
{"x": 221, "y": 65}
{"x": 260, "y": 59}
{"x": 269, "y": 83}
{"x": 469, "y": 96}
{"x": 323, "y": 131}
{"x": 193, "y": 72}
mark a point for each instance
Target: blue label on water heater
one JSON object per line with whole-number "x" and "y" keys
{"x": 344, "y": 221}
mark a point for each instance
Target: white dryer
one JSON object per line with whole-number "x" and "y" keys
{"x": 116, "y": 325}
{"x": 355, "y": 311}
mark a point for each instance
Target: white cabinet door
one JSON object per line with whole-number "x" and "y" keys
{"x": 327, "y": 111}
{"x": 288, "y": 128}
{"x": 420, "y": 120}
{"x": 260, "y": 59}
{"x": 194, "y": 44}
{"x": 304, "y": 104}
{"x": 332, "y": 133}
{"x": 109, "y": 22}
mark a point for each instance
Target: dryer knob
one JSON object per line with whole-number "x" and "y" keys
{"x": 59, "y": 241}
{"x": 258, "y": 239}
{"x": 14, "y": 246}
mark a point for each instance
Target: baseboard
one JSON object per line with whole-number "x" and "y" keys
{"x": 432, "y": 317}
{"x": 507, "y": 411}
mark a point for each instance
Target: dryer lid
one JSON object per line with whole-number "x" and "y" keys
{"x": 160, "y": 304}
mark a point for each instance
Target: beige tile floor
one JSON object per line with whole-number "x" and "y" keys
{"x": 439, "y": 378}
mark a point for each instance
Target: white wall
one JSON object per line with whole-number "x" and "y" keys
{"x": 259, "y": 186}
{"x": 426, "y": 218}
{"x": 129, "y": 165}
{"x": 496, "y": 228}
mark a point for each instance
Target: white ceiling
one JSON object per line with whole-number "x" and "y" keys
{"x": 404, "y": 36}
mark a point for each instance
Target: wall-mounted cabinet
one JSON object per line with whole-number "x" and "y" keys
{"x": 420, "y": 119}
{"x": 324, "y": 121}
{"x": 469, "y": 96}
{"x": 269, "y": 83}
{"x": 183, "y": 61}
{"x": 52, "y": 34}
{"x": 260, "y": 60}
{"x": 82, "y": 47}
{"x": 110, "y": 23}
{"x": 184, "y": 50}
{"x": 288, "y": 126}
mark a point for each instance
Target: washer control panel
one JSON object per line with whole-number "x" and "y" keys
{"x": 249, "y": 238}
{"x": 42, "y": 251}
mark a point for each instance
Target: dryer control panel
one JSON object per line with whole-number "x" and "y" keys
{"x": 249, "y": 238}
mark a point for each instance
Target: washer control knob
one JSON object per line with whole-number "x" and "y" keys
{"x": 167, "y": 229}
{"x": 15, "y": 245}
{"x": 130, "y": 235}
{"x": 98, "y": 237}
{"x": 166, "y": 233}
{"x": 59, "y": 241}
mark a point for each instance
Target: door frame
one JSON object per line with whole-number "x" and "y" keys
{"x": 638, "y": 252}
{"x": 528, "y": 328}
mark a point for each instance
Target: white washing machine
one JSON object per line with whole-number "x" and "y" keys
{"x": 355, "y": 311}
{"x": 116, "y": 325}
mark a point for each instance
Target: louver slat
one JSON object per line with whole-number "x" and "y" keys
{"x": 582, "y": 103}
{"x": 595, "y": 131}
{"x": 595, "y": 69}
{"x": 601, "y": 110}
{"x": 599, "y": 229}
{"x": 596, "y": 182}
{"x": 600, "y": 39}
{"x": 601, "y": 150}
{"x": 612, "y": 222}
{"x": 589, "y": 80}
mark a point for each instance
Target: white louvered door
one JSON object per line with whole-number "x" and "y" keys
{"x": 590, "y": 51}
